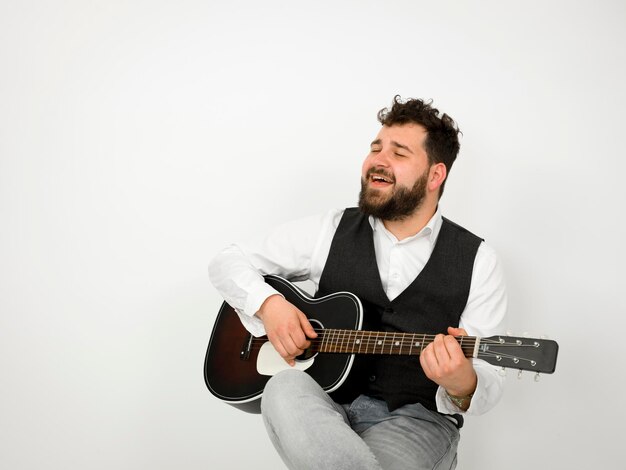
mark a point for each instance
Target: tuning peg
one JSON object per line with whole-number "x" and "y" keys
{"x": 537, "y": 377}
{"x": 509, "y": 333}
{"x": 502, "y": 372}
{"x": 519, "y": 374}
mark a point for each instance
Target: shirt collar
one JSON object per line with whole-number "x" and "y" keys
{"x": 430, "y": 230}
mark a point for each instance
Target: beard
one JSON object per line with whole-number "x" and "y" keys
{"x": 401, "y": 203}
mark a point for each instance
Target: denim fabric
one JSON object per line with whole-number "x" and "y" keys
{"x": 311, "y": 431}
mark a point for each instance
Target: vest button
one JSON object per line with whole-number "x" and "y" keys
{"x": 372, "y": 378}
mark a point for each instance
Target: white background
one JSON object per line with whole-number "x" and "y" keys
{"x": 137, "y": 138}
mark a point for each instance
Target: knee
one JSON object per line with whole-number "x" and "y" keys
{"x": 288, "y": 378}
{"x": 283, "y": 389}
{"x": 286, "y": 383}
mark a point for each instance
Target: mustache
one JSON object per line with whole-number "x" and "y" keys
{"x": 381, "y": 172}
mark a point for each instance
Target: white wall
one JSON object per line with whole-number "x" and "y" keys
{"x": 138, "y": 138}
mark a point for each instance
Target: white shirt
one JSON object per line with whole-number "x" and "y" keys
{"x": 298, "y": 251}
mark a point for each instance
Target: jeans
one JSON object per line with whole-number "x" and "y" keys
{"x": 311, "y": 431}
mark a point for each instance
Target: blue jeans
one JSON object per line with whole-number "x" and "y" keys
{"x": 311, "y": 431}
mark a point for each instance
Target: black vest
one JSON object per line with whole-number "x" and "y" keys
{"x": 432, "y": 302}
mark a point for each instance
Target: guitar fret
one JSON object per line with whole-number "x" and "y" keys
{"x": 384, "y": 342}
{"x": 332, "y": 341}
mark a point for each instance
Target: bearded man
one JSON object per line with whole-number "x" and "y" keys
{"x": 414, "y": 271}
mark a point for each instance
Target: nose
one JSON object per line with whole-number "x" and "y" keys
{"x": 380, "y": 158}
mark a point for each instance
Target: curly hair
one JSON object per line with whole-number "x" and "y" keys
{"x": 442, "y": 139}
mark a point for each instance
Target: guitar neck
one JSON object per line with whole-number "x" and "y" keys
{"x": 381, "y": 342}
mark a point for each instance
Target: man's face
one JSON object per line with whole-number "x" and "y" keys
{"x": 395, "y": 173}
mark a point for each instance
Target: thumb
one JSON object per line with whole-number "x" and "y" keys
{"x": 457, "y": 331}
{"x": 306, "y": 326}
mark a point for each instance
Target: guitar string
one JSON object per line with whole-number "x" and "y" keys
{"x": 349, "y": 332}
{"x": 468, "y": 351}
{"x": 377, "y": 338}
{"x": 366, "y": 347}
{"x": 387, "y": 345}
{"x": 341, "y": 340}
{"x": 376, "y": 346}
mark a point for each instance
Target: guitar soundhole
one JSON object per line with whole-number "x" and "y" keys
{"x": 311, "y": 351}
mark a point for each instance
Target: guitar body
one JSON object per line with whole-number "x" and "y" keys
{"x": 236, "y": 369}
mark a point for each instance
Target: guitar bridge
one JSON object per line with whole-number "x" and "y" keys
{"x": 244, "y": 355}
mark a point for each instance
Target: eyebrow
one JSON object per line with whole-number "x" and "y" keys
{"x": 394, "y": 143}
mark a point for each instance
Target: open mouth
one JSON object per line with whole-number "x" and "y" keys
{"x": 380, "y": 180}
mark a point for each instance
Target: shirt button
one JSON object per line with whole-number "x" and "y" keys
{"x": 372, "y": 378}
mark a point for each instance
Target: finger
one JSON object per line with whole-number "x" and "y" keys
{"x": 289, "y": 358}
{"x": 441, "y": 349}
{"x": 291, "y": 345}
{"x": 278, "y": 346}
{"x": 308, "y": 329}
{"x": 428, "y": 361}
{"x": 284, "y": 346}
{"x": 299, "y": 339}
{"x": 454, "y": 348}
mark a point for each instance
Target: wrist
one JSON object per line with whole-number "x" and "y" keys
{"x": 461, "y": 397}
{"x": 267, "y": 305}
{"x": 460, "y": 401}
{"x": 465, "y": 387}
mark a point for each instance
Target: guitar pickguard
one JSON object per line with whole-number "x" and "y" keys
{"x": 269, "y": 362}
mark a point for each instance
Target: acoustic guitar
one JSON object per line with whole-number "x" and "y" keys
{"x": 238, "y": 365}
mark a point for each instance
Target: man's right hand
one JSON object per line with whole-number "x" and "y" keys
{"x": 287, "y": 328}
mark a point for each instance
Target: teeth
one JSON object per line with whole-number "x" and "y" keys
{"x": 380, "y": 178}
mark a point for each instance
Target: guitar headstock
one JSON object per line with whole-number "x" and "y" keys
{"x": 515, "y": 352}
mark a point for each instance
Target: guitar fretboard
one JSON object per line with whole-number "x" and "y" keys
{"x": 381, "y": 342}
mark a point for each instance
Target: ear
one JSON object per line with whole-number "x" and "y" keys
{"x": 437, "y": 176}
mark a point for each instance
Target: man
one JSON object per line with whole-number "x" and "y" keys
{"x": 414, "y": 271}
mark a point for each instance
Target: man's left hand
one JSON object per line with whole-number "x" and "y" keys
{"x": 445, "y": 364}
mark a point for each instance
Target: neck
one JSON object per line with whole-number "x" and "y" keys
{"x": 412, "y": 224}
